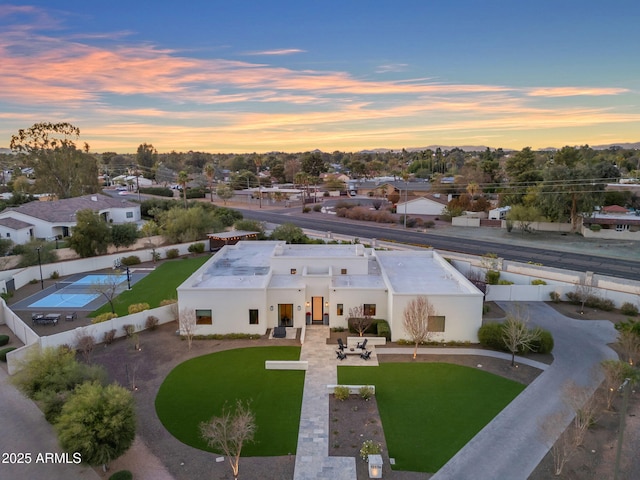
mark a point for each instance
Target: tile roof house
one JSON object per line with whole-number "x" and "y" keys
{"x": 49, "y": 219}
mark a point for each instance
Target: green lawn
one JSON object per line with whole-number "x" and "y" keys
{"x": 430, "y": 411}
{"x": 197, "y": 389}
{"x": 159, "y": 285}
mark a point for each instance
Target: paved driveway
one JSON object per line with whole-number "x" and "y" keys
{"x": 512, "y": 445}
{"x": 24, "y": 430}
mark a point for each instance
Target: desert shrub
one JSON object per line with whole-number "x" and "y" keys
{"x": 168, "y": 301}
{"x": 110, "y": 336}
{"x": 197, "y": 192}
{"x": 341, "y": 393}
{"x": 595, "y": 227}
{"x": 317, "y": 207}
{"x": 4, "y": 339}
{"x": 122, "y": 475}
{"x": 172, "y": 253}
{"x": 130, "y": 260}
{"x": 593, "y": 301}
{"x": 627, "y": 308}
{"x": 6, "y": 295}
{"x": 490, "y": 336}
{"x": 429, "y": 224}
{"x": 137, "y": 307}
{"x": 4, "y": 351}
{"x": 384, "y": 216}
{"x": 383, "y": 330}
{"x": 54, "y": 275}
{"x": 52, "y": 403}
{"x": 544, "y": 344}
{"x": 574, "y": 297}
{"x": 538, "y": 281}
{"x": 369, "y": 447}
{"x": 104, "y": 317}
{"x": 505, "y": 282}
{"x": 196, "y": 248}
{"x": 555, "y": 297}
{"x": 151, "y": 323}
{"x": 306, "y": 210}
{"x": 365, "y": 392}
{"x": 129, "y": 330}
{"x": 492, "y": 277}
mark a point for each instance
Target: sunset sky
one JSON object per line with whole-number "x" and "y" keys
{"x": 258, "y": 76}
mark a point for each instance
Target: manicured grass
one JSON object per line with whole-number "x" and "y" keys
{"x": 197, "y": 389}
{"x": 159, "y": 285}
{"x": 429, "y": 411}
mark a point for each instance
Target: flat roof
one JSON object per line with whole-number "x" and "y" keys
{"x": 422, "y": 273}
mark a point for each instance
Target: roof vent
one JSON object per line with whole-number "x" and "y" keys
{"x": 94, "y": 198}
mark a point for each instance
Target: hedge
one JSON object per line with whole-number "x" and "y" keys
{"x": 159, "y": 191}
{"x": 490, "y": 336}
{"x": 4, "y": 351}
{"x": 544, "y": 344}
{"x": 4, "y": 339}
{"x": 122, "y": 475}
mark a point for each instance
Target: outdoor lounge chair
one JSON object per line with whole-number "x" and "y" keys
{"x": 366, "y": 355}
{"x": 279, "y": 332}
{"x": 362, "y": 345}
{"x": 341, "y": 355}
{"x": 340, "y": 344}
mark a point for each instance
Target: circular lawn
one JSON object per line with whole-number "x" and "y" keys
{"x": 198, "y": 389}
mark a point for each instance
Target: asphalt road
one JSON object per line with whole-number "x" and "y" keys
{"x": 615, "y": 267}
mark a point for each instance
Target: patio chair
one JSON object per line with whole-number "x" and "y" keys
{"x": 341, "y": 345}
{"x": 341, "y": 355}
{"x": 362, "y": 345}
{"x": 366, "y": 355}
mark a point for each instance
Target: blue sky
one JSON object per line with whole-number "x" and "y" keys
{"x": 249, "y": 76}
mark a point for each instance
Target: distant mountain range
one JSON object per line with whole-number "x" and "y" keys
{"x": 466, "y": 148}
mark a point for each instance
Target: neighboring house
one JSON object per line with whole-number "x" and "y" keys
{"x": 49, "y": 219}
{"x": 614, "y": 222}
{"x": 385, "y": 187}
{"x": 429, "y": 205}
{"x": 253, "y": 286}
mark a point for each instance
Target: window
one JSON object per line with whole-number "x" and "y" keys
{"x": 253, "y": 316}
{"x": 436, "y": 323}
{"x": 622, "y": 228}
{"x": 204, "y": 317}
{"x": 293, "y": 271}
{"x": 8, "y": 234}
{"x": 369, "y": 309}
{"x": 129, "y": 214}
{"x": 339, "y": 309}
{"x": 343, "y": 271}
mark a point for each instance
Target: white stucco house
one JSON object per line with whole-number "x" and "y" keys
{"x": 256, "y": 285}
{"x": 48, "y": 219}
{"x": 423, "y": 206}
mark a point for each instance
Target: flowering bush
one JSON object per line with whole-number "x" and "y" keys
{"x": 369, "y": 447}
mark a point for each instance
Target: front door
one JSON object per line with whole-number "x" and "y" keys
{"x": 285, "y": 314}
{"x": 317, "y": 309}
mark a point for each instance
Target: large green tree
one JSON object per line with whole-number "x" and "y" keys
{"x": 124, "y": 235}
{"x": 187, "y": 225}
{"x": 98, "y": 422}
{"x": 147, "y": 155}
{"x": 59, "y": 165}
{"x": 91, "y": 236}
{"x": 312, "y": 164}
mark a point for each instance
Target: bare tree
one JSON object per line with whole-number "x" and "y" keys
{"x": 360, "y": 319}
{"x": 416, "y": 321}
{"x": 229, "y": 432}
{"x": 584, "y": 289}
{"x": 615, "y": 371}
{"x": 516, "y": 334}
{"x": 629, "y": 344}
{"x": 563, "y": 446}
{"x": 585, "y": 406}
{"x": 187, "y": 322}
{"x": 108, "y": 287}
{"x": 85, "y": 345}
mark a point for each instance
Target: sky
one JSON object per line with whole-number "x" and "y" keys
{"x": 260, "y": 76}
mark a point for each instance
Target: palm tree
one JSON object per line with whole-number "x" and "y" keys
{"x": 210, "y": 170}
{"x": 183, "y": 178}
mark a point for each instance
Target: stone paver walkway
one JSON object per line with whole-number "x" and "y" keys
{"x": 312, "y": 457}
